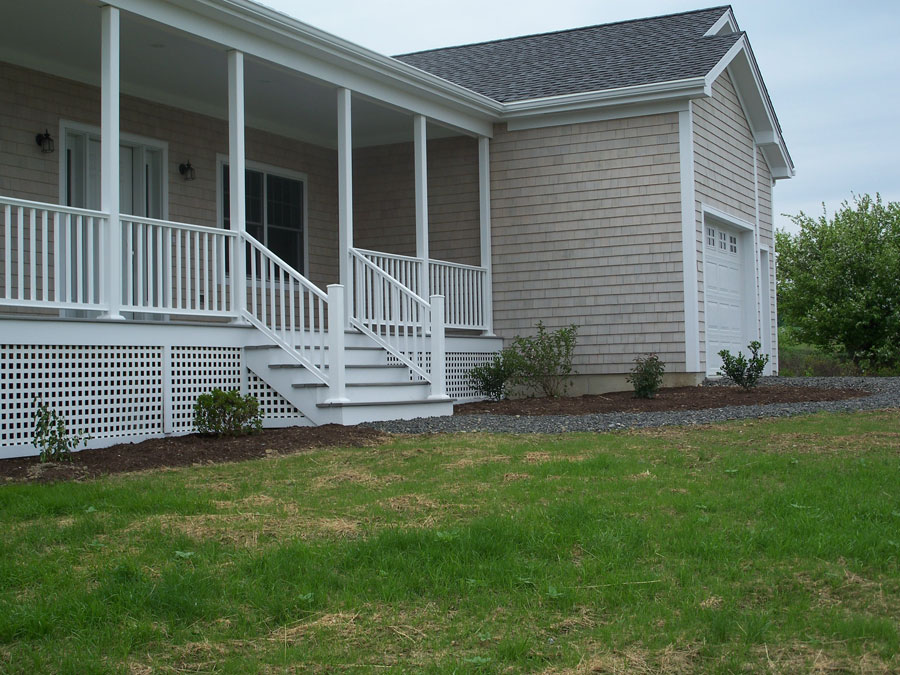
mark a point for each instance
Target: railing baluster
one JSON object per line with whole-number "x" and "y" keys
{"x": 89, "y": 275}
{"x": 20, "y": 247}
{"x": 45, "y": 242}
{"x": 7, "y": 250}
{"x": 214, "y": 254}
{"x": 79, "y": 258}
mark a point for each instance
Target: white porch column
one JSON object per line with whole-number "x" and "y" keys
{"x": 421, "y": 169}
{"x": 109, "y": 158}
{"x": 345, "y": 195}
{"x": 484, "y": 204}
{"x": 237, "y": 168}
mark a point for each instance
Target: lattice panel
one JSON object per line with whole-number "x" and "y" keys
{"x": 273, "y": 405}
{"x": 107, "y": 391}
{"x": 458, "y": 366}
{"x": 197, "y": 370}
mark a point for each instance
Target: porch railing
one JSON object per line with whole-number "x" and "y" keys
{"x": 391, "y": 314}
{"x": 51, "y": 255}
{"x": 175, "y": 268}
{"x": 463, "y": 286}
{"x": 289, "y": 309}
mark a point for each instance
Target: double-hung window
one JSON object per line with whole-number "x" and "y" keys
{"x": 274, "y": 212}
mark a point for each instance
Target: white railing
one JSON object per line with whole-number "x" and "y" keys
{"x": 464, "y": 287}
{"x": 175, "y": 268}
{"x": 51, "y": 255}
{"x": 391, "y": 314}
{"x": 288, "y": 308}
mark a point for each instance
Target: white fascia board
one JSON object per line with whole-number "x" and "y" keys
{"x": 726, "y": 24}
{"x": 760, "y": 115}
{"x": 656, "y": 91}
{"x": 597, "y": 115}
{"x": 249, "y": 28}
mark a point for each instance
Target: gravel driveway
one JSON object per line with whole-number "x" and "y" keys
{"x": 885, "y": 394}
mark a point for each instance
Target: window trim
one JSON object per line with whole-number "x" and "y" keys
{"x": 222, "y": 160}
{"x": 124, "y": 138}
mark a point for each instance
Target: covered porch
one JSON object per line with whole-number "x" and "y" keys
{"x": 183, "y": 170}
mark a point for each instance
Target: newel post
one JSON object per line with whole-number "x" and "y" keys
{"x": 337, "y": 388}
{"x": 438, "y": 349}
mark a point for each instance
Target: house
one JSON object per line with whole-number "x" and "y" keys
{"x": 208, "y": 193}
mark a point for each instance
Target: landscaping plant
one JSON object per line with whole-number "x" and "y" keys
{"x": 741, "y": 370}
{"x": 51, "y": 436}
{"x": 227, "y": 413}
{"x": 491, "y": 379}
{"x": 646, "y": 376}
{"x": 838, "y": 282}
{"x": 544, "y": 361}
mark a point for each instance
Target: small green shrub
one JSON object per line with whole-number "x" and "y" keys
{"x": 491, "y": 379}
{"x": 51, "y": 436}
{"x": 742, "y": 371}
{"x": 544, "y": 361}
{"x": 646, "y": 376}
{"x": 227, "y": 413}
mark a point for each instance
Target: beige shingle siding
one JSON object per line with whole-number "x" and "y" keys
{"x": 724, "y": 176}
{"x": 586, "y": 223}
{"x": 30, "y": 100}
{"x": 384, "y": 216}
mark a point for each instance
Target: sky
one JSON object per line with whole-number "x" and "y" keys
{"x": 831, "y": 68}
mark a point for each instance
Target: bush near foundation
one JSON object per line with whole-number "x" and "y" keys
{"x": 227, "y": 413}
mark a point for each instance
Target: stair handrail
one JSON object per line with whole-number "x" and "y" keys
{"x": 391, "y": 314}
{"x": 294, "y": 318}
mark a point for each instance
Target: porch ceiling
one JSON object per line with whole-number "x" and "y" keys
{"x": 181, "y": 70}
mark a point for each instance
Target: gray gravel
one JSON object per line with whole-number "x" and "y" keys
{"x": 885, "y": 394}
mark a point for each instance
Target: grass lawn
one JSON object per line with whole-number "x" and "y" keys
{"x": 762, "y": 545}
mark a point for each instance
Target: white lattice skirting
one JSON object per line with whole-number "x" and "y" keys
{"x": 121, "y": 393}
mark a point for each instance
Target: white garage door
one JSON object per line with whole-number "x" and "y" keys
{"x": 723, "y": 281}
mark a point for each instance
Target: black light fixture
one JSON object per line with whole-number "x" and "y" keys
{"x": 187, "y": 171}
{"x": 45, "y": 141}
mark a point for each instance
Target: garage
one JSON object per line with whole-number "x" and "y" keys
{"x": 725, "y": 278}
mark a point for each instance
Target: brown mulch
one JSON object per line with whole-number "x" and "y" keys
{"x": 675, "y": 398}
{"x": 186, "y": 451}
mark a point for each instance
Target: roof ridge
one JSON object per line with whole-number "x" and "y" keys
{"x": 564, "y": 30}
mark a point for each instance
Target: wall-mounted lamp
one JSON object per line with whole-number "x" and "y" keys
{"x": 45, "y": 141}
{"x": 187, "y": 171}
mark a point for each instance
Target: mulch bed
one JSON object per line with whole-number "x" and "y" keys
{"x": 675, "y": 398}
{"x": 186, "y": 451}
{"x": 194, "y": 449}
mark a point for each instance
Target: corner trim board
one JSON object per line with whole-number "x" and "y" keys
{"x": 689, "y": 241}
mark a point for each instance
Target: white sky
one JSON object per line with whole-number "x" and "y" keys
{"x": 832, "y": 69}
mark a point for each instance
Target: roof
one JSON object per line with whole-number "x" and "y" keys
{"x": 606, "y": 56}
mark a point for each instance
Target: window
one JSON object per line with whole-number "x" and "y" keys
{"x": 274, "y": 212}
{"x": 711, "y": 237}
{"x": 141, "y": 174}
{"x": 732, "y": 243}
{"x": 722, "y": 241}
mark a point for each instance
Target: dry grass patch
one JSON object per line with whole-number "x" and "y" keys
{"x": 635, "y": 660}
{"x": 802, "y": 658}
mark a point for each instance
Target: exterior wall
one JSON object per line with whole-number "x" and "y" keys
{"x": 31, "y": 101}
{"x": 727, "y": 178}
{"x": 384, "y": 216}
{"x": 586, "y": 229}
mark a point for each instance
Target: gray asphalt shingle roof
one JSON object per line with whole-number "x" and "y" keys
{"x": 608, "y": 56}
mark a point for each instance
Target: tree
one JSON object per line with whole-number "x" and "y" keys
{"x": 839, "y": 281}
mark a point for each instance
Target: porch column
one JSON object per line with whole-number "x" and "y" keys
{"x": 237, "y": 168}
{"x": 484, "y": 204}
{"x": 345, "y": 197}
{"x": 109, "y": 159}
{"x": 421, "y": 169}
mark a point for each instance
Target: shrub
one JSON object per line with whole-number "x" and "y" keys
{"x": 227, "y": 413}
{"x": 544, "y": 361}
{"x": 491, "y": 379}
{"x": 837, "y": 282}
{"x": 52, "y": 437}
{"x": 742, "y": 371}
{"x": 646, "y": 376}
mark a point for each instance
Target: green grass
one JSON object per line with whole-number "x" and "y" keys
{"x": 768, "y": 545}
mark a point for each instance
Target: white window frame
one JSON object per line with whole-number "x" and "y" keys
{"x": 222, "y": 161}
{"x": 124, "y": 139}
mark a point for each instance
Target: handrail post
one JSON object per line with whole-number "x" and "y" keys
{"x": 438, "y": 350}
{"x": 337, "y": 389}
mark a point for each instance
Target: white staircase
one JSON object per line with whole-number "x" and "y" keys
{"x": 377, "y": 387}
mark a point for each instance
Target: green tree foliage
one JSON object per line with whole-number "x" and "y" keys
{"x": 839, "y": 281}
